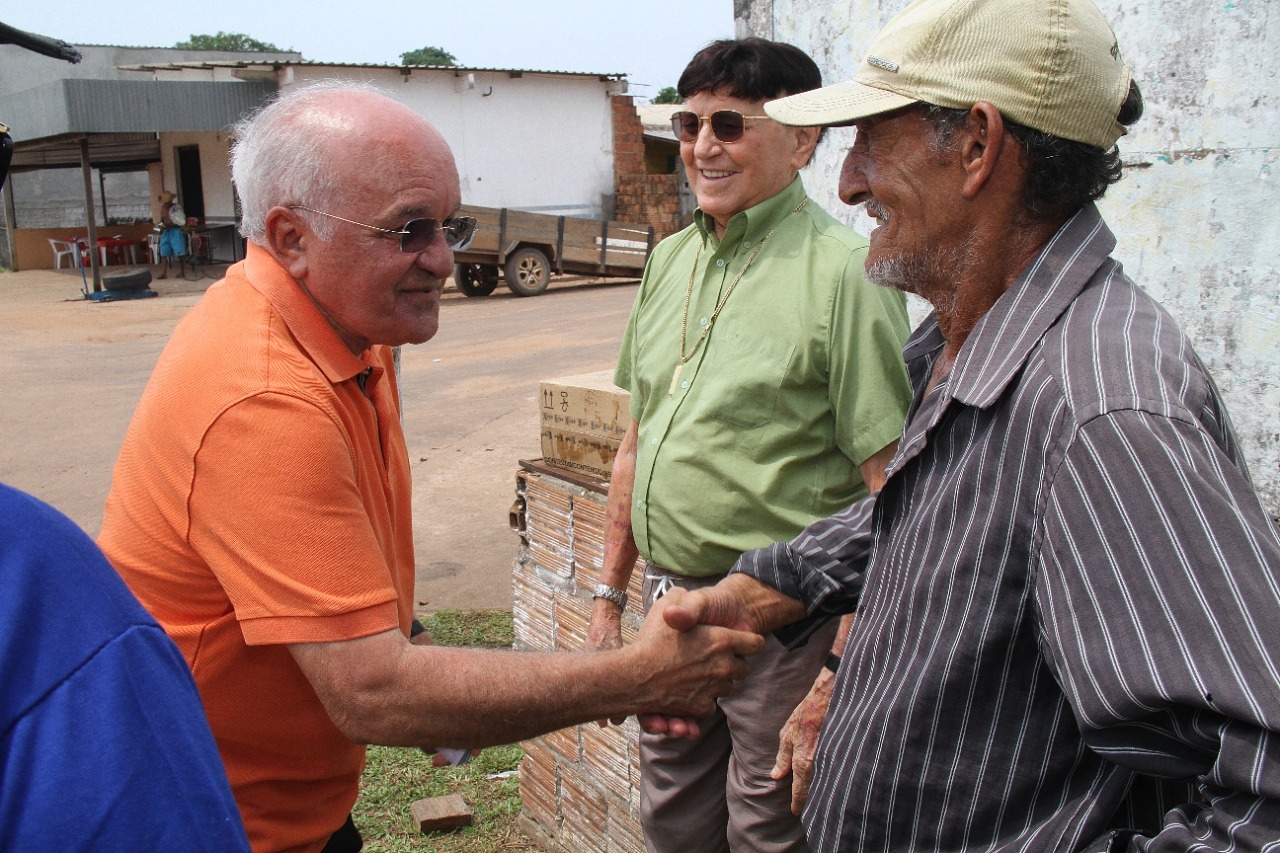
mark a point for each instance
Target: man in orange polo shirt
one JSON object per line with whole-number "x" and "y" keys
{"x": 260, "y": 507}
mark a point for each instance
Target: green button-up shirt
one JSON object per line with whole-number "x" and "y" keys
{"x": 799, "y": 380}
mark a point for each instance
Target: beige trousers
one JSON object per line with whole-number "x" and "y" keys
{"x": 714, "y": 794}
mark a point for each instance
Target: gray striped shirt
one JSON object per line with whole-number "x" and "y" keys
{"x": 1067, "y": 590}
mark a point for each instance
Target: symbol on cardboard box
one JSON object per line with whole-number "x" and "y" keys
{"x": 564, "y": 401}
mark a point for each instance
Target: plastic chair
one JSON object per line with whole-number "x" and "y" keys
{"x": 66, "y": 249}
{"x": 153, "y": 248}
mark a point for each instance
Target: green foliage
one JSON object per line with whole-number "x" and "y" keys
{"x": 395, "y": 777}
{"x": 667, "y": 95}
{"x": 428, "y": 56}
{"x": 224, "y": 41}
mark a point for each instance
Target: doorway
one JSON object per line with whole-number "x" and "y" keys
{"x": 190, "y": 185}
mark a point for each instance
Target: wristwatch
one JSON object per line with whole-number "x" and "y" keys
{"x": 608, "y": 593}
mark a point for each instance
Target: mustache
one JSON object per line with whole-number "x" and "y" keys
{"x": 874, "y": 208}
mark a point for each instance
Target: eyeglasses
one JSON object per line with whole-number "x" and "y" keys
{"x": 726, "y": 125}
{"x": 417, "y": 234}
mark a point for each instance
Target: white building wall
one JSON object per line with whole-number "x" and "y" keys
{"x": 1196, "y": 218}
{"x": 215, "y": 171}
{"x": 532, "y": 142}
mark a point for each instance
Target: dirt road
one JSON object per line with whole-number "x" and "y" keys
{"x": 71, "y": 372}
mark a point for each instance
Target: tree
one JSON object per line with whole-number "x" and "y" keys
{"x": 667, "y": 95}
{"x": 428, "y": 56}
{"x": 224, "y": 41}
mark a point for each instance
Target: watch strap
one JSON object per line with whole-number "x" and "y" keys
{"x": 611, "y": 594}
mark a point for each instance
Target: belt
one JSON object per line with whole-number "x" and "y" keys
{"x": 664, "y": 579}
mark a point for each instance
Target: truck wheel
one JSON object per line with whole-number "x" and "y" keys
{"x": 528, "y": 272}
{"x": 476, "y": 279}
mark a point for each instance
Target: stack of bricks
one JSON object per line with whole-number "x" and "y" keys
{"x": 639, "y": 196}
{"x": 579, "y": 787}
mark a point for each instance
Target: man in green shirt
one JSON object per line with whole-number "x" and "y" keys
{"x": 767, "y": 391}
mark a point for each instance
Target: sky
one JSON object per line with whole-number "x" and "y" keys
{"x": 649, "y": 41}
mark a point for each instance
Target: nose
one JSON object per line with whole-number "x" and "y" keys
{"x": 853, "y": 178}
{"x": 706, "y": 144}
{"x": 437, "y": 258}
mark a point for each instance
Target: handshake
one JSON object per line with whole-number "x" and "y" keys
{"x": 691, "y": 650}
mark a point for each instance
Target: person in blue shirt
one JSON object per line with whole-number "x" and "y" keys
{"x": 104, "y": 744}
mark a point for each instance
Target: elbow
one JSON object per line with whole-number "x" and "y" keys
{"x": 357, "y": 722}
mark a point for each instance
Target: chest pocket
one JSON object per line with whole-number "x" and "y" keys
{"x": 742, "y": 375}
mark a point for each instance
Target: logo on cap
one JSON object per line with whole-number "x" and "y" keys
{"x": 883, "y": 63}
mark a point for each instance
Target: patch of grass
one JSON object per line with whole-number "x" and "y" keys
{"x": 394, "y": 776}
{"x": 490, "y": 628}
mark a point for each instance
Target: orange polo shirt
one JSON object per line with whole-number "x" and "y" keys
{"x": 261, "y": 498}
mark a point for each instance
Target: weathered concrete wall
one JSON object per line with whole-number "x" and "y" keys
{"x": 1197, "y": 216}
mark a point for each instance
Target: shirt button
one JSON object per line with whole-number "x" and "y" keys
{"x": 746, "y": 244}
{"x": 702, "y": 321}
{"x": 720, "y": 262}
{"x": 653, "y": 440}
{"x": 684, "y": 384}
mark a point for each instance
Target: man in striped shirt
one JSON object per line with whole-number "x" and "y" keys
{"x": 1066, "y": 587}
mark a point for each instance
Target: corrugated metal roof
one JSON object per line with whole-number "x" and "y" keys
{"x": 104, "y": 148}
{"x": 79, "y": 106}
{"x": 306, "y": 63}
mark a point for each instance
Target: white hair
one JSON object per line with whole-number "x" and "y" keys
{"x": 282, "y": 156}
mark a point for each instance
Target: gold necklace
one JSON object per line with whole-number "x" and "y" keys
{"x": 688, "y": 296}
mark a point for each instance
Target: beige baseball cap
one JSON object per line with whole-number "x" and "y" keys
{"x": 1051, "y": 65}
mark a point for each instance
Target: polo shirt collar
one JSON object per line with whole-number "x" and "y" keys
{"x": 754, "y": 223}
{"x": 1004, "y": 338}
{"x": 314, "y": 334}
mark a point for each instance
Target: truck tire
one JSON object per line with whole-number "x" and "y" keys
{"x": 528, "y": 272}
{"x": 476, "y": 279}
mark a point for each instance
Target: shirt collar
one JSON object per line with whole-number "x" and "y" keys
{"x": 314, "y": 334}
{"x": 754, "y": 223}
{"x": 999, "y": 345}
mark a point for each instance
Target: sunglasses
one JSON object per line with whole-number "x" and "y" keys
{"x": 417, "y": 234}
{"x": 726, "y": 125}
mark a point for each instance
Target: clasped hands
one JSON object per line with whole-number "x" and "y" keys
{"x": 694, "y": 646}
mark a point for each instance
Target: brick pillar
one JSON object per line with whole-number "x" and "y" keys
{"x": 640, "y": 197}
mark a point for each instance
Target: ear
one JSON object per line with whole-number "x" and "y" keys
{"x": 983, "y": 146}
{"x": 806, "y": 141}
{"x": 287, "y": 239}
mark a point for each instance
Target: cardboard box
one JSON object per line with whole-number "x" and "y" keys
{"x": 584, "y": 419}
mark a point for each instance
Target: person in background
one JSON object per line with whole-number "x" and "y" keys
{"x": 103, "y": 740}
{"x": 767, "y": 391}
{"x": 260, "y": 506}
{"x": 1067, "y": 588}
{"x": 173, "y": 241}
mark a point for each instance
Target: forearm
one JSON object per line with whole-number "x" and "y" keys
{"x": 620, "y": 552}
{"x": 744, "y": 603}
{"x": 382, "y": 689}
{"x": 442, "y": 696}
{"x": 842, "y": 635}
{"x": 822, "y": 568}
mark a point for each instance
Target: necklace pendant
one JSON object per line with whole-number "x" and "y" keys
{"x": 675, "y": 379}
